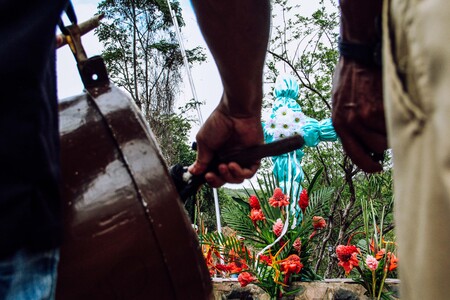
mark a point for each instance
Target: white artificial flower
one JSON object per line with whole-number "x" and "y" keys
{"x": 284, "y": 112}
{"x": 299, "y": 118}
{"x": 285, "y": 123}
{"x": 286, "y": 127}
{"x": 298, "y": 131}
{"x": 279, "y": 134}
{"x": 270, "y": 126}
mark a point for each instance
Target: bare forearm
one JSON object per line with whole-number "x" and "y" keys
{"x": 358, "y": 18}
{"x": 237, "y": 33}
{"x": 358, "y": 115}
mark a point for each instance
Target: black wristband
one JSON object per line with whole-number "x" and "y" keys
{"x": 365, "y": 54}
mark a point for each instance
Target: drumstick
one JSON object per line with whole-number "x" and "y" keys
{"x": 188, "y": 184}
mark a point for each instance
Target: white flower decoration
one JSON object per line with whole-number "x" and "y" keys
{"x": 271, "y": 126}
{"x": 279, "y": 134}
{"x": 284, "y": 123}
{"x": 284, "y": 111}
{"x": 299, "y": 118}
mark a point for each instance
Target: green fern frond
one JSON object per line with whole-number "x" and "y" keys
{"x": 319, "y": 202}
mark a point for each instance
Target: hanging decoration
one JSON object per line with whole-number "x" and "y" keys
{"x": 287, "y": 119}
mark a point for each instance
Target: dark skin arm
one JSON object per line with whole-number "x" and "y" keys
{"x": 358, "y": 113}
{"x": 237, "y": 33}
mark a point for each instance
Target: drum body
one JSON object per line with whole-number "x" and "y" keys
{"x": 126, "y": 235}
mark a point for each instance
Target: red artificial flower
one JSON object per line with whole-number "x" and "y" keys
{"x": 291, "y": 265}
{"x": 265, "y": 259}
{"x": 393, "y": 261}
{"x": 277, "y": 227}
{"x": 245, "y": 278}
{"x": 234, "y": 267}
{"x": 380, "y": 254}
{"x": 208, "y": 257}
{"x": 257, "y": 215}
{"x": 348, "y": 265}
{"x": 279, "y": 199}
{"x": 254, "y": 202}
{"x": 297, "y": 245}
{"x": 244, "y": 264}
{"x": 344, "y": 252}
{"x": 222, "y": 268}
{"x": 347, "y": 256}
{"x": 319, "y": 222}
{"x": 303, "y": 202}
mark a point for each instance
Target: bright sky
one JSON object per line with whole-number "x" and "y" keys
{"x": 205, "y": 76}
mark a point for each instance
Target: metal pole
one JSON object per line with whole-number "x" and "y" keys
{"x": 194, "y": 93}
{"x": 216, "y": 205}
{"x": 185, "y": 60}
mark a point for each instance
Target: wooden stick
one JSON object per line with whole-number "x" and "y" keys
{"x": 85, "y": 27}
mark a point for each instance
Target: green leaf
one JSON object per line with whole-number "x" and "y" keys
{"x": 244, "y": 204}
{"x": 314, "y": 180}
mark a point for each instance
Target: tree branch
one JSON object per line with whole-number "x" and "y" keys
{"x": 300, "y": 78}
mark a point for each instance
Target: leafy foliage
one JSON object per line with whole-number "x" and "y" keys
{"x": 143, "y": 57}
{"x": 263, "y": 246}
{"x": 376, "y": 254}
{"x": 305, "y": 45}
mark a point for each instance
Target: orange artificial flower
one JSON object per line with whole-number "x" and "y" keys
{"x": 236, "y": 267}
{"x": 348, "y": 265}
{"x": 232, "y": 255}
{"x": 279, "y": 199}
{"x": 291, "y": 265}
{"x": 244, "y": 264}
{"x": 257, "y": 215}
{"x": 372, "y": 245}
{"x": 380, "y": 254}
{"x": 393, "y": 261}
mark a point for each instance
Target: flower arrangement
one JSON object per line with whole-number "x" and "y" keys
{"x": 285, "y": 122}
{"x": 373, "y": 260}
{"x": 269, "y": 249}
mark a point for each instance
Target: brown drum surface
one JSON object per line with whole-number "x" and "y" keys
{"x": 126, "y": 235}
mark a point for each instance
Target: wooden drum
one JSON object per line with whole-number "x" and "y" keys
{"x": 126, "y": 235}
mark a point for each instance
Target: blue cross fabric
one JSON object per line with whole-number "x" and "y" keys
{"x": 287, "y": 168}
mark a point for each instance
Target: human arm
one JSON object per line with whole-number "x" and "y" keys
{"x": 358, "y": 114}
{"x": 237, "y": 34}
